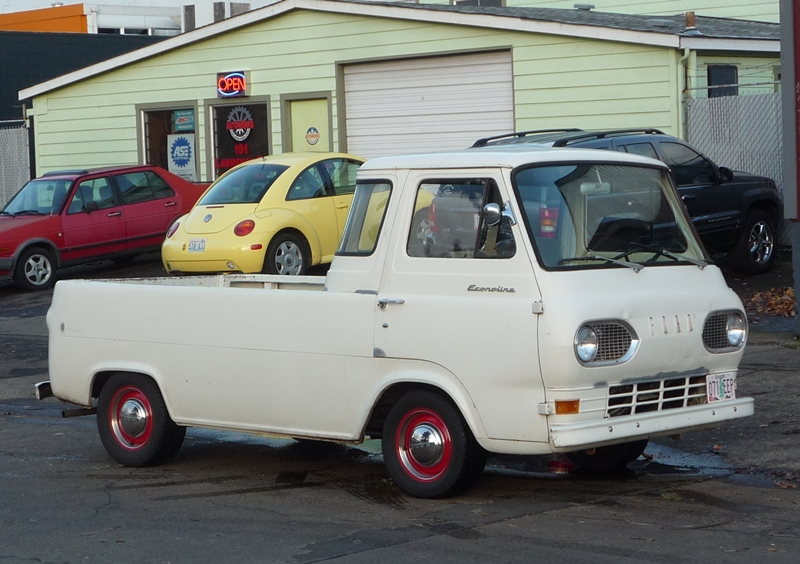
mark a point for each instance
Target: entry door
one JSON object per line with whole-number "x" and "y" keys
{"x": 310, "y": 125}
{"x": 466, "y": 307}
{"x": 93, "y": 223}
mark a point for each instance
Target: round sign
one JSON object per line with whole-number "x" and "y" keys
{"x": 312, "y": 135}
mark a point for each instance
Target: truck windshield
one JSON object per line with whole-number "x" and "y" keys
{"x": 245, "y": 185}
{"x": 590, "y": 215}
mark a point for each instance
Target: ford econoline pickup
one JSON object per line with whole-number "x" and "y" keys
{"x": 544, "y": 301}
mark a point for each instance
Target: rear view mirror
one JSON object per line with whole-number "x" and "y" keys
{"x": 595, "y": 187}
{"x": 492, "y": 214}
{"x": 725, "y": 174}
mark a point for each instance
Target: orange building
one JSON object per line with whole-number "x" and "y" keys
{"x": 70, "y": 18}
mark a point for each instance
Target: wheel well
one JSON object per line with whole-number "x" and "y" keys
{"x": 44, "y": 245}
{"x": 390, "y": 396}
{"x": 101, "y": 379}
{"x": 296, "y": 233}
{"x": 766, "y": 206}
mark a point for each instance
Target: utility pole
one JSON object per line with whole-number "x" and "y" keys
{"x": 790, "y": 88}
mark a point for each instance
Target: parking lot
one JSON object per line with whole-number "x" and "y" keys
{"x": 728, "y": 494}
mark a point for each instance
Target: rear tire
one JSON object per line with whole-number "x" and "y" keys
{"x": 428, "y": 448}
{"x": 35, "y": 270}
{"x": 608, "y": 458}
{"x": 754, "y": 252}
{"x": 134, "y": 424}
{"x": 287, "y": 255}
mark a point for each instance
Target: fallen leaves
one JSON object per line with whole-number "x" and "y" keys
{"x": 777, "y": 301}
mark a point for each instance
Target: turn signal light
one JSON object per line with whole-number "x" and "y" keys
{"x": 568, "y": 407}
{"x": 244, "y": 227}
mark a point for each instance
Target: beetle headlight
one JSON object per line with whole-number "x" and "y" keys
{"x": 735, "y": 329}
{"x": 586, "y": 344}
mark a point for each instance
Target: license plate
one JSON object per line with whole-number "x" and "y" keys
{"x": 197, "y": 245}
{"x": 721, "y": 387}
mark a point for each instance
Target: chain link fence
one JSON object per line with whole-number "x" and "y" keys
{"x": 742, "y": 133}
{"x": 15, "y": 167}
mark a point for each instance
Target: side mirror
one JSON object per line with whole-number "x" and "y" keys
{"x": 492, "y": 214}
{"x": 725, "y": 174}
{"x": 91, "y": 206}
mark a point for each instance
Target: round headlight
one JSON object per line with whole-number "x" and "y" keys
{"x": 586, "y": 344}
{"x": 736, "y": 329}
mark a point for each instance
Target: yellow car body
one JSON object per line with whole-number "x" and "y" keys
{"x": 278, "y": 214}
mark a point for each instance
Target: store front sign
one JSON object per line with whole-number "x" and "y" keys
{"x": 232, "y": 84}
{"x": 240, "y": 134}
{"x": 181, "y": 156}
{"x": 184, "y": 120}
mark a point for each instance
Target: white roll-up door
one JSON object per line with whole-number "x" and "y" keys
{"x": 429, "y": 104}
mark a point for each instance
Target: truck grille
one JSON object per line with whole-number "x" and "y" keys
{"x": 655, "y": 395}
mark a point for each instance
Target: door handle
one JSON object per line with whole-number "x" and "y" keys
{"x": 168, "y": 204}
{"x": 383, "y": 302}
{"x": 342, "y": 206}
{"x": 688, "y": 198}
{"x": 114, "y": 214}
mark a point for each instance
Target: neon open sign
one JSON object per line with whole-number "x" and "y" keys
{"x": 232, "y": 84}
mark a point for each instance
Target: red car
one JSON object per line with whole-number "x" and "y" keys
{"x": 77, "y": 216}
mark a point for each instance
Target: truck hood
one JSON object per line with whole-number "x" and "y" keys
{"x": 214, "y": 219}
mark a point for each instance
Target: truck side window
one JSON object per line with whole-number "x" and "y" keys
{"x": 448, "y": 221}
{"x": 366, "y": 218}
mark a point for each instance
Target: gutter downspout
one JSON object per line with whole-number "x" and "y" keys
{"x": 682, "y": 72}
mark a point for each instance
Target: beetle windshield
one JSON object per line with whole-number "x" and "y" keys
{"x": 38, "y": 197}
{"x": 245, "y": 185}
{"x": 592, "y": 215}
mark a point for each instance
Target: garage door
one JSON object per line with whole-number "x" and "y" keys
{"x": 432, "y": 104}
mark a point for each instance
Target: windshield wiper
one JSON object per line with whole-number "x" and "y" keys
{"x": 4, "y": 212}
{"x": 701, "y": 263}
{"x": 634, "y": 265}
{"x": 28, "y": 212}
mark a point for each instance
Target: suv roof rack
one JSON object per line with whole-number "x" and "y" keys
{"x": 603, "y": 134}
{"x": 487, "y": 140}
{"x": 571, "y": 134}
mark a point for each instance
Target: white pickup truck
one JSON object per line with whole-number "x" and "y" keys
{"x": 484, "y": 301}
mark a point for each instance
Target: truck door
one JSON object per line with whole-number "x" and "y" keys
{"x": 463, "y": 298}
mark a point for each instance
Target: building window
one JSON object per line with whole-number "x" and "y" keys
{"x": 240, "y": 134}
{"x": 188, "y": 18}
{"x": 238, "y": 8}
{"x": 219, "y": 11}
{"x": 726, "y": 77}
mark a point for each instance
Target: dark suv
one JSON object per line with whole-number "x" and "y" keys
{"x": 733, "y": 212}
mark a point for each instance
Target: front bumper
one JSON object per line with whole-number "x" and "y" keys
{"x": 590, "y": 434}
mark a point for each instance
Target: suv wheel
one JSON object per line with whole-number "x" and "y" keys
{"x": 754, "y": 252}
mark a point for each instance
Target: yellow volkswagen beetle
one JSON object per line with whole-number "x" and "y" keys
{"x": 277, "y": 215}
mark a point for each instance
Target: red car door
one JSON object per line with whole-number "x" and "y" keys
{"x": 92, "y": 222}
{"x": 149, "y": 205}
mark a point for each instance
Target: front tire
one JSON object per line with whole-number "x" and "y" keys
{"x": 287, "y": 255}
{"x": 754, "y": 252}
{"x": 35, "y": 270}
{"x": 608, "y": 458}
{"x": 428, "y": 448}
{"x": 134, "y": 424}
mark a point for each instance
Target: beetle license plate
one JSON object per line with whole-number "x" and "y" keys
{"x": 197, "y": 245}
{"x": 721, "y": 386}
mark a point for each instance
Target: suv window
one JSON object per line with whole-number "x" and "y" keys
{"x": 643, "y": 149}
{"x": 455, "y": 227}
{"x": 366, "y": 218}
{"x": 688, "y": 166}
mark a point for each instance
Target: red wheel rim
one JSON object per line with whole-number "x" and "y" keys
{"x": 130, "y": 417}
{"x": 423, "y": 445}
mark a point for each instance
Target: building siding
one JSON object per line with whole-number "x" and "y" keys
{"x": 558, "y": 81}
